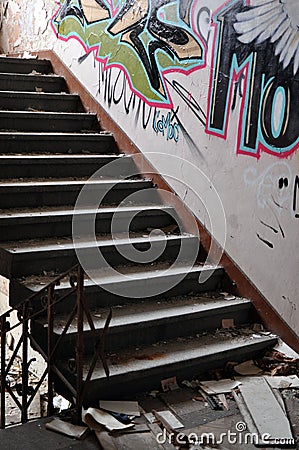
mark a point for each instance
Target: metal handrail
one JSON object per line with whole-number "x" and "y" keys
{"x": 26, "y": 312}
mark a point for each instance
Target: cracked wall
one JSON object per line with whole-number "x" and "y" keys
{"x": 25, "y": 25}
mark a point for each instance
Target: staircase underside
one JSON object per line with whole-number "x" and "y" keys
{"x": 164, "y": 321}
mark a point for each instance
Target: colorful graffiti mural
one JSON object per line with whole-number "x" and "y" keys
{"x": 254, "y": 60}
{"x": 146, "y": 38}
{"x": 259, "y": 41}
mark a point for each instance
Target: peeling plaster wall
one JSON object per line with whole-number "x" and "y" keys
{"x": 26, "y": 25}
{"x": 208, "y": 91}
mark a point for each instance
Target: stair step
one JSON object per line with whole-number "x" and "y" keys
{"x": 47, "y": 121}
{"x": 23, "y": 224}
{"x": 33, "y": 258}
{"x": 135, "y": 371}
{"x": 19, "y": 101}
{"x": 112, "y": 287}
{"x": 147, "y": 322}
{"x": 76, "y": 165}
{"x": 32, "y": 83}
{"x": 65, "y": 192}
{"x": 56, "y": 143}
{"x": 24, "y": 65}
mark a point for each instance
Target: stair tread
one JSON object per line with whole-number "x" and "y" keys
{"x": 33, "y": 76}
{"x": 146, "y": 311}
{"x": 53, "y": 134}
{"x": 178, "y": 351}
{"x": 38, "y": 94}
{"x": 66, "y": 243}
{"x": 43, "y": 114}
{"x": 74, "y": 158}
{"x": 124, "y": 274}
{"x": 64, "y": 210}
{"x": 65, "y": 182}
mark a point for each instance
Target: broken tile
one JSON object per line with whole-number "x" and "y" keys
{"x": 248, "y": 368}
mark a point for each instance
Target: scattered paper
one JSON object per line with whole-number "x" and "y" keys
{"x": 62, "y": 427}
{"x": 228, "y": 323}
{"x": 219, "y": 387}
{"x": 96, "y": 418}
{"x": 121, "y": 407}
{"x": 169, "y": 384}
{"x": 257, "y": 327}
{"x": 247, "y": 368}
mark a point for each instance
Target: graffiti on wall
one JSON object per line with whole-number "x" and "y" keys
{"x": 258, "y": 41}
{"x": 145, "y": 38}
{"x": 277, "y": 191}
{"x": 254, "y": 74}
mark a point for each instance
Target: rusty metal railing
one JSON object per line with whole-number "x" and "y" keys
{"x": 45, "y": 301}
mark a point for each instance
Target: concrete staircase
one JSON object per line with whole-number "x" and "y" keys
{"x": 49, "y": 147}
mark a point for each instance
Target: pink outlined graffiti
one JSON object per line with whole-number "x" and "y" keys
{"x": 249, "y": 57}
{"x": 180, "y": 42}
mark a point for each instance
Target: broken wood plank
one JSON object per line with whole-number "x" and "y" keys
{"x": 122, "y": 407}
{"x": 269, "y": 419}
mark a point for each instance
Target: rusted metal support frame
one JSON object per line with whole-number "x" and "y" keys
{"x": 54, "y": 368}
{"x": 79, "y": 345}
{"x": 13, "y": 356}
{"x": 99, "y": 347}
{"x": 25, "y": 333}
{"x": 3, "y": 370}
{"x": 50, "y": 323}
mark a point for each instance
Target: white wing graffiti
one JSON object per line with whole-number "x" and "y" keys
{"x": 277, "y": 20}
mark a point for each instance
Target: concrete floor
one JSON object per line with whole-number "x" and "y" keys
{"x": 196, "y": 416}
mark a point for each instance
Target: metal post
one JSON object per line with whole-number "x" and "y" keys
{"x": 79, "y": 346}
{"x": 50, "y": 409}
{"x": 24, "y": 416}
{"x": 3, "y": 367}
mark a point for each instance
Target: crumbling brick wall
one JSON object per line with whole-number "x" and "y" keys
{"x": 25, "y": 25}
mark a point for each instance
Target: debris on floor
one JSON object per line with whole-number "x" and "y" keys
{"x": 63, "y": 427}
{"x": 263, "y": 409}
{"x": 121, "y": 407}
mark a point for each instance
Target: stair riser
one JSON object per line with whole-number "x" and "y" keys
{"x": 99, "y": 297}
{"x": 148, "y": 333}
{"x": 37, "y": 102}
{"x": 26, "y": 123}
{"x": 34, "y": 228}
{"x": 46, "y": 168}
{"x": 15, "y": 143}
{"x": 35, "y": 263}
{"x": 19, "y": 65}
{"x": 59, "y": 196}
{"x": 146, "y": 380}
{"x": 32, "y": 84}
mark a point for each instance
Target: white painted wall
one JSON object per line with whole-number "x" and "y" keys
{"x": 254, "y": 203}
